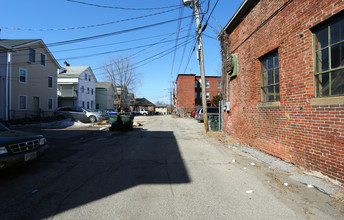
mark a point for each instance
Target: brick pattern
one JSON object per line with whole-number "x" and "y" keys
{"x": 310, "y": 136}
{"x": 186, "y": 89}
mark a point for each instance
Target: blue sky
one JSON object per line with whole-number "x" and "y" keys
{"x": 151, "y": 48}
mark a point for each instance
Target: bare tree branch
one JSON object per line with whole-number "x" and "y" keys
{"x": 121, "y": 73}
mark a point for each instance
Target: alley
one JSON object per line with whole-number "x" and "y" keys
{"x": 165, "y": 169}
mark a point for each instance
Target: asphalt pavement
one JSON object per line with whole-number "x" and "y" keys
{"x": 168, "y": 168}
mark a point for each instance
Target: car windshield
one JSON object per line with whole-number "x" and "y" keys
{"x": 3, "y": 128}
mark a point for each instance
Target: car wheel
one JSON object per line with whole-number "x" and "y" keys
{"x": 60, "y": 117}
{"x": 144, "y": 114}
{"x": 92, "y": 119}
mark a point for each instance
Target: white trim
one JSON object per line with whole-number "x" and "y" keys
{"x": 19, "y": 102}
{"x": 45, "y": 46}
{"x": 26, "y": 77}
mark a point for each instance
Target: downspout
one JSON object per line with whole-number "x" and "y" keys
{"x": 10, "y": 87}
{"x": 7, "y": 89}
{"x": 57, "y": 98}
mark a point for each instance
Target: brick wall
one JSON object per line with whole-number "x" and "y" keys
{"x": 298, "y": 129}
{"x": 213, "y": 88}
{"x": 186, "y": 91}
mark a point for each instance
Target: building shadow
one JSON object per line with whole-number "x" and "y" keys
{"x": 88, "y": 166}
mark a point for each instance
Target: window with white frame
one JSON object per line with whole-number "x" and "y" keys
{"x": 85, "y": 76}
{"x": 32, "y": 55}
{"x": 42, "y": 59}
{"x": 50, "y": 82}
{"x": 219, "y": 84}
{"x": 196, "y": 95}
{"x": 22, "y": 102}
{"x": 88, "y": 104}
{"x": 196, "y": 83}
{"x": 82, "y": 89}
{"x": 22, "y": 75}
{"x": 88, "y": 90}
{"x": 50, "y": 103}
{"x": 207, "y": 84}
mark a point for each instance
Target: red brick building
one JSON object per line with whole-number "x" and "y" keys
{"x": 287, "y": 98}
{"x": 189, "y": 91}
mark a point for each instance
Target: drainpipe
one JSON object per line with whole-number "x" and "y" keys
{"x": 8, "y": 91}
{"x": 57, "y": 97}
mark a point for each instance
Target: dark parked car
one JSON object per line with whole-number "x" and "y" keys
{"x": 77, "y": 113}
{"x": 19, "y": 147}
{"x": 211, "y": 111}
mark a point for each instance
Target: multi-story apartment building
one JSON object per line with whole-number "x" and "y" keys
{"x": 105, "y": 95}
{"x": 77, "y": 87}
{"x": 28, "y": 79}
{"x": 189, "y": 91}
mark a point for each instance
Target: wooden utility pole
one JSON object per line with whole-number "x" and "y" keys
{"x": 201, "y": 63}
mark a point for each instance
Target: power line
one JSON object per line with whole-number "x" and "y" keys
{"x": 111, "y": 33}
{"x": 181, "y": 11}
{"x": 115, "y": 7}
{"x": 155, "y": 56}
{"x": 89, "y": 26}
{"x": 101, "y": 35}
{"x": 191, "y": 52}
{"x": 182, "y": 58}
{"x": 206, "y": 23}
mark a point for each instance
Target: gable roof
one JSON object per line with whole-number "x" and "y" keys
{"x": 13, "y": 44}
{"x": 75, "y": 71}
{"x": 142, "y": 102}
{"x": 104, "y": 85}
{"x": 18, "y": 42}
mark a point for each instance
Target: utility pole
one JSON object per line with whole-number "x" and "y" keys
{"x": 195, "y": 5}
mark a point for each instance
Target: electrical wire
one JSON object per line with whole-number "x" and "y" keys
{"x": 112, "y": 33}
{"x": 206, "y": 23}
{"x": 181, "y": 11}
{"x": 114, "y": 7}
{"x": 188, "y": 34}
{"x": 88, "y": 26}
{"x": 190, "y": 55}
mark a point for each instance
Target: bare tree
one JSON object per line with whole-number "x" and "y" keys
{"x": 122, "y": 74}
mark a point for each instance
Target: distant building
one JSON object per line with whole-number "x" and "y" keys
{"x": 142, "y": 103}
{"x": 28, "y": 79}
{"x": 189, "y": 91}
{"x": 77, "y": 87}
{"x": 161, "y": 109}
{"x": 105, "y": 95}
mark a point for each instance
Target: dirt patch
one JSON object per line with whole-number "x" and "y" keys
{"x": 220, "y": 136}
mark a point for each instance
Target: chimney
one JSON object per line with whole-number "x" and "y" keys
{"x": 66, "y": 63}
